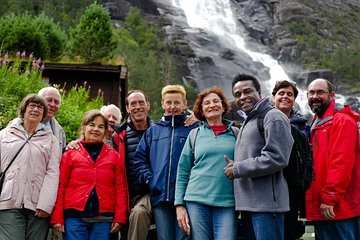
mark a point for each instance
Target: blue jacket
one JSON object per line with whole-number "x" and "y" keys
{"x": 157, "y": 156}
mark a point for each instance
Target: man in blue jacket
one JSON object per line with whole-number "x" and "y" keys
{"x": 260, "y": 189}
{"x": 157, "y": 157}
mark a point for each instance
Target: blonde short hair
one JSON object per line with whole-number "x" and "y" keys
{"x": 173, "y": 89}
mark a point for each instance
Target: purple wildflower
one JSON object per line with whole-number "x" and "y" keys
{"x": 42, "y": 67}
{"x": 85, "y": 83}
{"x": 18, "y": 54}
{"x": 23, "y": 54}
{"x": 35, "y": 64}
{"x": 31, "y": 56}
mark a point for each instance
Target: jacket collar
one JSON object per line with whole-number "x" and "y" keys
{"x": 119, "y": 128}
{"x": 335, "y": 108}
{"x": 173, "y": 120}
{"x": 228, "y": 123}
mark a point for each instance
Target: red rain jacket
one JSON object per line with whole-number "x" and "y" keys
{"x": 335, "y": 142}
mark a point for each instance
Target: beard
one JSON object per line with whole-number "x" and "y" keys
{"x": 319, "y": 109}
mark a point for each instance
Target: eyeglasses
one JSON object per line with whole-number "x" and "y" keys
{"x": 320, "y": 93}
{"x": 34, "y": 105}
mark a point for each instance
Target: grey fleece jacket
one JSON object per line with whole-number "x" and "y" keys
{"x": 259, "y": 184}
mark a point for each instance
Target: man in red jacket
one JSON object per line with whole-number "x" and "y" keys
{"x": 333, "y": 200}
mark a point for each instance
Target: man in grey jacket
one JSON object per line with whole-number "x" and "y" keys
{"x": 261, "y": 192}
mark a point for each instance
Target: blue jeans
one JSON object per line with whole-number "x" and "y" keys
{"x": 263, "y": 226}
{"x": 208, "y": 222}
{"x": 77, "y": 229}
{"x": 167, "y": 227}
{"x": 348, "y": 229}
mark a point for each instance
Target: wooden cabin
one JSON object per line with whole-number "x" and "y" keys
{"x": 111, "y": 79}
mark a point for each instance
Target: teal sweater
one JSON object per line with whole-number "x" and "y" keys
{"x": 202, "y": 179}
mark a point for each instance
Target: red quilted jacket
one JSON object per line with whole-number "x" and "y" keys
{"x": 79, "y": 175}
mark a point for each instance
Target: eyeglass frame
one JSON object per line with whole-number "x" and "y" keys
{"x": 33, "y": 105}
{"x": 319, "y": 93}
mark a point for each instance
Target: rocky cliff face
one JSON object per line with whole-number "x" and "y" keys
{"x": 270, "y": 26}
{"x": 274, "y": 23}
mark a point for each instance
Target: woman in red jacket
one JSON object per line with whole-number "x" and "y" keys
{"x": 92, "y": 195}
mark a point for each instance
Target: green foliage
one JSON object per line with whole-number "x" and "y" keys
{"x": 65, "y": 12}
{"x": 328, "y": 44}
{"x": 92, "y": 39}
{"x": 345, "y": 62}
{"x": 22, "y": 77}
{"x": 38, "y": 35}
{"x": 53, "y": 35}
{"x": 70, "y": 114}
{"x": 16, "y": 81}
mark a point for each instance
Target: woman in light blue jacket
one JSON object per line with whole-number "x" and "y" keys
{"x": 204, "y": 196}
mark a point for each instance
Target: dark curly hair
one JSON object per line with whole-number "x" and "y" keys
{"x": 284, "y": 84}
{"x": 200, "y": 97}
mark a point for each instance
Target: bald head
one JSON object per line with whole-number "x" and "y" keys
{"x": 322, "y": 82}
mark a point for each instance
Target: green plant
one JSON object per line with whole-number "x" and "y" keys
{"x": 70, "y": 114}
{"x": 23, "y": 76}
{"x": 38, "y": 35}
{"x": 92, "y": 39}
{"x": 17, "y": 79}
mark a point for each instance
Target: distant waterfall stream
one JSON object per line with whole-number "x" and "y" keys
{"x": 215, "y": 17}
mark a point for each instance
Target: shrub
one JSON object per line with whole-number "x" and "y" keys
{"x": 74, "y": 104}
{"x": 93, "y": 39}
{"x": 16, "y": 81}
{"x": 23, "y": 76}
{"x": 38, "y": 35}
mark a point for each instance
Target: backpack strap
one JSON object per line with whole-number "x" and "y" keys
{"x": 192, "y": 137}
{"x": 235, "y": 131}
{"x": 260, "y": 121}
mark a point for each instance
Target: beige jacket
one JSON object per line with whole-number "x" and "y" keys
{"x": 32, "y": 180}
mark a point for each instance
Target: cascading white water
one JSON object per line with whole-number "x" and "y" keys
{"x": 216, "y": 17}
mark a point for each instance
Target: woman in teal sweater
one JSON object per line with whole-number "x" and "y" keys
{"x": 204, "y": 196}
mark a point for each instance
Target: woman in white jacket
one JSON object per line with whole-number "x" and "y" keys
{"x": 29, "y": 190}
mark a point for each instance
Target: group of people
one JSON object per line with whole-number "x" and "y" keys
{"x": 190, "y": 175}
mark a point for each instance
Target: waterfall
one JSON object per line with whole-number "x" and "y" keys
{"x": 216, "y": 18}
